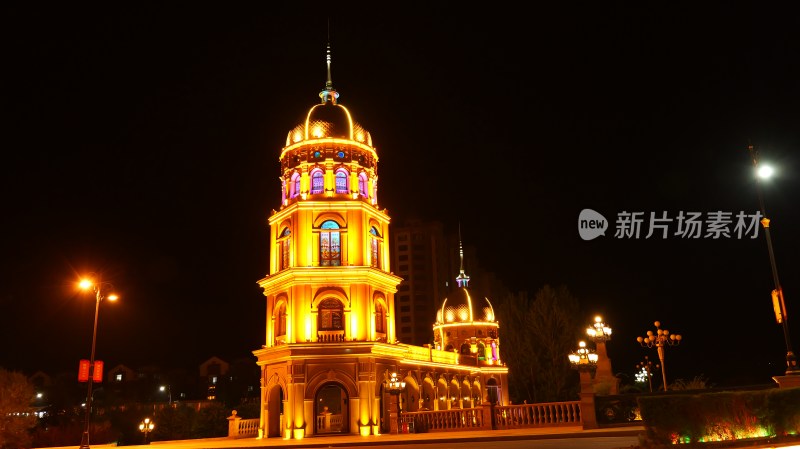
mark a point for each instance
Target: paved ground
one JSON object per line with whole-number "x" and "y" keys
{"x": 373, "y": 440}
{"x": 460, "y": 437}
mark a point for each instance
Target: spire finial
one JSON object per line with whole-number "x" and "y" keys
{"x": 462, "y": 279}
{"x": 328, "y": 94}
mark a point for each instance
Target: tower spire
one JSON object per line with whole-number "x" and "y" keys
{"x": 328, "y": 94}
{"x": 462, "y": 279}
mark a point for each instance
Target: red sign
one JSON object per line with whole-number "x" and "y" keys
{"x": 97, "y": 374}
{"x": 83, "y": 371}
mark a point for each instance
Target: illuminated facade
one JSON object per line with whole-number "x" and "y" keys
{"x": 330, "y": 340}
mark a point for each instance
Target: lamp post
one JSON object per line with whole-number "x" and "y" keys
{"x": 600, "y": 333}
{"x": 778, "y": 303}
{"x": 395, "y": 386}
{"x": 99, "y": 295}
{"x": 146, "y": 426}
{"x": 168, "y": 389}
{"x": 584, "y": 360}
{"x": 660, "y": 339}
{"x": 646, "y": 369}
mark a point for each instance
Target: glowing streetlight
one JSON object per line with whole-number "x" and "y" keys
{"x": 395, "y": 386}
{"x": 645, "y": 372}
{"x": 584, "y": 360}
{"x": 660, "y": 339}
{"x": 778, "y": 303}
{"x": 168, "y": 389}
{"x": 99, "y": 294}
{"x": 600, "y": 333}
{"x": 146, "y": 427}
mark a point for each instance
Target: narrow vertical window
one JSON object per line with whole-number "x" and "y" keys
{"x": 317, "y": 182}
{"x": 380, "y": 319}
{"x": 375, "y": 241}
{"x": 341, "y": 182}
{"x": 284, "y": 246}
{"x": 280, "y": 321}
{"x": 363, "y": 185}
{"x": 295, "y": 185}
{"x": 330, "y": 245}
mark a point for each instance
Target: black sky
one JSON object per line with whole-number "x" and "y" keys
{"x": 142, "y": 142}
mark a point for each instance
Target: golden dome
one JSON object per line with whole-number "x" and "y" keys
{"x": 464, "y": 307}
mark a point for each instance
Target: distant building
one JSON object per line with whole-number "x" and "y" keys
{"x": 211, "y": 371}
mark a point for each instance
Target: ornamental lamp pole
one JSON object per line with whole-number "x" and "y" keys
{"x": 99, "y": 294}
{"x": 146, "y": 426}
{"x": 660, "y": 339}
{"x": 778, "y": 303}
{"x": 395, "y": 387}
{"x": 600, "y": 333}
{"x": 584, "y": 360}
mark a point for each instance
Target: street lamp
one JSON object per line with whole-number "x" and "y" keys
{"x": 168, "y": 389}
{"x": 600, "y": 333}
{"x": 395, "y": 387}
{"x": 645, "y": 370}
{"x": 584, "y": 360}
{"x": 660, "y": 339}
{"x": 100, "y": 295}
{"x": 146, "y": 427}
{"x": 778, "y": 303}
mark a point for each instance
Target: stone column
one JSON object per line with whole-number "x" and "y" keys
{"x": 588, "y": 415}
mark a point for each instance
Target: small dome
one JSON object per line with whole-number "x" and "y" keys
{"x": 329, "y": 120}
{"x": 462, "y": 306}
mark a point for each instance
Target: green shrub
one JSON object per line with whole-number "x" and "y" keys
{"x": 720, "y": 416}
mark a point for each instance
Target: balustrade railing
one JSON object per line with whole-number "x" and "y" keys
{"x": 448, "y": 420}
{"x": 544, "y": 414}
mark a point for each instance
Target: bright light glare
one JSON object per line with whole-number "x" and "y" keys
{"x": 85, "y": 284}
{"x": 765, "y": 171}
{"x": 112, "y": 297}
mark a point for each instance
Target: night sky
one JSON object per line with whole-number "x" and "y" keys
{"x": 141, "y": 142}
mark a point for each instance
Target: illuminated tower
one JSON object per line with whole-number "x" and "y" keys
{"x": 330, "y": 342}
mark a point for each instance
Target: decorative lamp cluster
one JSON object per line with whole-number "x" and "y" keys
{"x": 583, "y": 358}
{"x": 599, "y": 331}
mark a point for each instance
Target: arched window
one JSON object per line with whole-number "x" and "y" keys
{"x": 375, "y": 243}
{"x": 363, "y": 185}
{"x": 295, "y": 185}
{"x": 330, "y": 244}
{"x": 380, "y": 318}
{"x": 341, "y": 181}
{"x": 317, "y": 181}
{"x": 331, "y": 314}
{"x": 284, "y": 245}
{"x": 280, "y": 320}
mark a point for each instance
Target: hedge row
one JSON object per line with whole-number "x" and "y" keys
{"x": 720, "y": 416}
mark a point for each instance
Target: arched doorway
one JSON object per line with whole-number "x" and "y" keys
{"x": 493, "y": 390}
{"x": 274, "y": 411}
{"x": 332, "y": 415}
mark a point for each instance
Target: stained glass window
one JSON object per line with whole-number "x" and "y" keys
{"x": 341, "y": 181}
{"x": 362, "y": 185}
{"x": 295, "y": 185}
{"x": 317, "y": 182}
{"x": 330, "y": 245}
